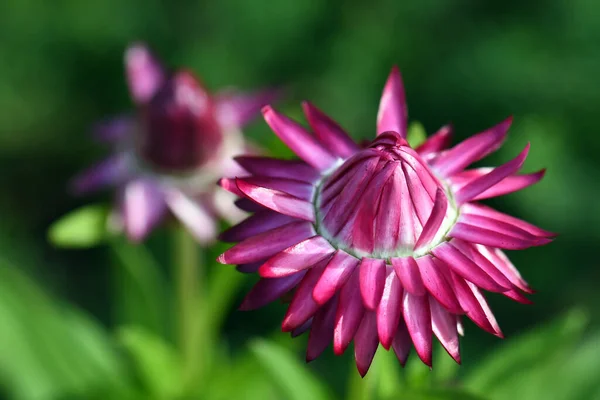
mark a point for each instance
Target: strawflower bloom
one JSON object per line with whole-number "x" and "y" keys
{"x": 383, "y": 243}
{"x": 171, "y": 152}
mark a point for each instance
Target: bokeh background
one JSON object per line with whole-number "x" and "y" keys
{"x": 466, "y": 62}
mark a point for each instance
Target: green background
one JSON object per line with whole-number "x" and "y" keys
{"x": 466, "y": 62}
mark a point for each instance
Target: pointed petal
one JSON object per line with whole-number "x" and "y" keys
{"x": 303, "y": 306}
{"x": 114, "y": 130}
{"x": 437, "y": 284}
{"x": 144, "y": 73}
{"x": 249, "y": 268}
{"x": 490, "y": 213}
{"x": 402, "y": 343}
{"x": 507, "y": 185}
{"x": 142, "y": 208}
{"x": 517, "y": 296}
{"x": 193, "y": 214}
{"x": 389, "y": 311}
{"x": 408, "y": 272}
{"x": 472, "y": 149}
{"x": 300, "y": 189}
{"x": 436, "y": 142}
{"x": 465, "y": 267}
{"x": 337, "y": 272}
{"x": 255, "y": 224}
{"x": 479, "y": 185}
{"x": 299, "y": 140}
{"x": 470, "y": 250}
{"x": 329, "y": 133}
{"x": 278, "y": 201}
{"x": 321, "y": 331}
{"x": 475, "y": 234}
{"x": 236, "y": 109}
{"x": 366, "y": 342}
{"x": 349, "y": 314}
{"x": 266, "y": 166}
{"x": 444, "y": 327}
{"x": 473, "y": 302}
{"x": 503, "y": 264}
{"x": 230, "y": 185}
{"x": 267, "y": 244}
{"x": 110, "y": 172}
{"x": 248, "y": 205}
{"x": 393, "y": 113}
{"x": 302, "y": 328}
{"x": 418, "y": 322}
{"x": 268, "y": 290}
{"x": 438, "y": 212}
{"x": 372, "y": 280}
{"x": 296, "y": 258}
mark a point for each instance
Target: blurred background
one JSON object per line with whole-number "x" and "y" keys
{"x": 466, "y": 62}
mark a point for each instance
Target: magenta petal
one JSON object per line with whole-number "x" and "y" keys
{"x": 438, "y": 212}
{"x": 303, "y": 306}
{"x": 479, "y": 185}
{"x": 297, "y": 188}
{"x": 511, "y": 184}
{"x": 236, "y": 109}
{"x": 255, "y": 224}
{"x": 266, "y": 166}
{"x": 475, "y": 234}
{"x": 110, "y": 172}
{"x": 337, "y": 272}
{"x": 296, "y": 258}
{"x": 268, "y": 290}
{"x": 389, "y": 311}
{"x": 142, "y": 208}
{"x": 144, "y": 73}
{"x": 349, "y": 314}
{"x": 418, "y": 322}
{"x": 372, "y": 278}
{"x": 503, "y": 264}
{"x": 299, "y": 140}
{"x": 230, "y": 185}
{"x": 393, "y": 114}
{"x": 408, "y": 272}
{"x": 329, "y": 133}
{"x": 402, "y": 343}
{"x": 472, "y": 149}
{"x": 482, "y": 262}
{"x": 194, "y": 215}
{"x": 444, "y": 327}
{"x": 473, "y": 302}
{"x": 248, "y": 205}
{"x": 366, "y": 342}
{"x": 278, "y": 201}
{"x": 321, "y": 331}
{"x": 267, "y": 244}
{"x": 465, "y": 267}
{"x": 249, "y": 268}
{"x": 437, "y": 284}
{"x": 490, "y": 213}
{"x": 517, "y": 296}
{"x": 436, "y": 142}
{"x": 302, "y": 328}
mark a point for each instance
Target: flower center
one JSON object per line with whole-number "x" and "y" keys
{"x": 384, "y": 202}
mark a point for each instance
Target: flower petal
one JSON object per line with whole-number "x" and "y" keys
{"x": 372, "y": 278}
{"x": 436, "y": 142}
{"x": 296, "y": 188}
{"x": 110, "y": 172}
{"x": 337, "y": 272}
{"x": 266, "y": 166}
{"x": 193, "y": 214}
{"x": 255, "y": 224}
{"x": 444, "y": 327}
{"x": 236, "y": 109}
{"x": 329, "y": 133}
{"x": 115, "y": 129}
{"x": 299, "y": 140}
{"x": 268, "y": 290}
{"x": 393, "y": 113}
{"x": 471, "y": 251}
{"x": 296, "y": 258}
{"x": 349, "y": 314}
{"x": 321, "y": 331}
{"x": 402, "y": 343}
{"x": 408, "y": 272}
{"x": 267, "y": 244}
{"x": 437, "y": 284}
{"x": 475, "y": 234}
{"x": 418, "y": 322}
{"x": 438, "y": 212}
{"x": 144, "y": 73}
{"x": 142, "y": 208}
{"x": 490, "y": 213}
{"x": 366, "y": 342}
{"x": 389, "y": 311}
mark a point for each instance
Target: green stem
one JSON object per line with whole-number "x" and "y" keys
{"x": 188, "y": 281}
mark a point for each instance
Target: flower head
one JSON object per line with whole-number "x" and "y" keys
{"x": 383, "y": 243}
{"x": 169, "y": 154}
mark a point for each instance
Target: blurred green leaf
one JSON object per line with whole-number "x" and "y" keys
{"x": 433, "y": 394}
{"x": 81, "y": 228}
{"x": 293, "y": 378}
{"x": 530, "y": 350}
{"x": 416, "y": 135}
{"x": 157, "y": 363}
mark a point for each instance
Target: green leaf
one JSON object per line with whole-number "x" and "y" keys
{"x": 157, "y": 363}
{"x": 416, "y": 135}
{"x": 431, "y": 394}
{"x": 293, "y": 378}
{"x": 532, "y": 349}
{"x": 81, "y": 228}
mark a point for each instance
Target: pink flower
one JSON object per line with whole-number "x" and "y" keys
{"x": 383, "y": 244}
{"x": 169, "y": 155}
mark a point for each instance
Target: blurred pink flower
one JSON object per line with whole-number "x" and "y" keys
{"x": 382, "y": 244}
{"x": 170, "y": 154}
